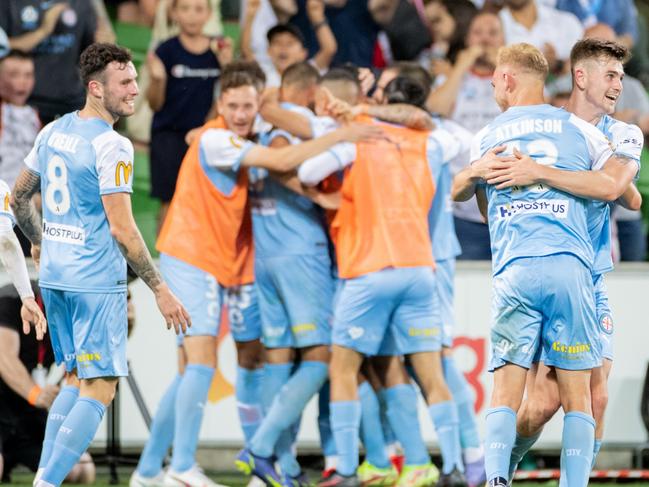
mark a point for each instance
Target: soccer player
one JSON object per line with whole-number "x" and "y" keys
{"x": 84, "y": 171}
{"x": 550, "y": 310}
{"x": 213, "y": 264}
{"x": 597, "y": 69}
{"x": 13, "y": 260}
{"x": 295, "y": 285}
{"x": 391, "y": 281}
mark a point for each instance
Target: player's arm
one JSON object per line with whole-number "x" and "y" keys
{"x": 466, "y": 181}
{"x": 14, "y": 373}
{"x": 631, "y": 199}
{"x": 398, "y": 113}
{"x": 606, "y": 184}
{"x": 27, "y": 218}
{"x": 292, "y": 122}
{"x": 287, "y": 158}
{"x": 483, "y": 203}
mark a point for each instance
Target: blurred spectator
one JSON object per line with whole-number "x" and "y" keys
{"x": 19, "y": 123}
{"x": 619, "y": 14}
{"x": 548, "y": 29}
{"x": 134, "y": 11}
{"x": 25, "y": 395}
{"x": 286, "y": 43}
{"x": 138, "y": 125}
{"x": 405, "y": 34}
{"x": 104, "y": 32}
{"x": 58, "y": 87}
{"x": 449, "y": 22}
{"x": 466, "y": 97}
{"x": 183, "y": 72}
{"x": 257, "y": 18}
{"x": 4, "y": 43}
{"x": 352, "y": 25}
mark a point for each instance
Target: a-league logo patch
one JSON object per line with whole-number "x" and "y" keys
{"x": 606, "y": 323}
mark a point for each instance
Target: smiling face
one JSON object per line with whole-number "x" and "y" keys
{"x": 16, "y": 80}
{"x": 285, "y": 49}
{"x": 601, "y": 81}
{"x": 119, "y": 89}
{"x": 239, "y": 107}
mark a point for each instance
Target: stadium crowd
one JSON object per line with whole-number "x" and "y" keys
{"x": 262, "y": 155}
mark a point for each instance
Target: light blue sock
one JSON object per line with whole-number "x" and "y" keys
{"x": 73, "y": 438}
{"x": 288, "y": 405}
{"x": 249, "y": 391}
{"x": 162, "y": 433}
{"x": 286, "y": 459}
{"x": 191, "y": 397}
{"x": 578, "y": 444}
{"x": 401, "y": 408}
{"x": 522, "y": 445}
{"x": 463, "y": 398}
{"x": 371, "y": 430}
{"x": 444, "y": 416}
{"x": 324, "y": 425}
{"x": 596, "y": 448}
{"x": 388, "y": 434}
{"x": 499, "y": 441}
{"x": 60, "y": 408}
{"x": 345, "y": 424}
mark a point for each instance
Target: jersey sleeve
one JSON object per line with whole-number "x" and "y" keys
{"x": 114, "y": 163}
{"x": 627, "y": 140}
{"x": 223, "y": 149}
{"x": 476, "y": 151}
{"x": 31, "y": 159}
{"x": 317, "y": 168}
{"x": 6, "y": 215}
{"x": 322, "y": 126}
{"x": 600, "y": 149}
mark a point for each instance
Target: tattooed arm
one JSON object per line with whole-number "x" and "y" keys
{"x": 131, "y": 244}
{"x": 399, "y": 113}
{"x": 27, "y": 217}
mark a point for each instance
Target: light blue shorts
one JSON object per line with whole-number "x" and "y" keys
{"x": 604, "y": 316}
{"x": 445, "y": 275}
{"x": 88, "y": 331}
{"x": 203, "y": 298}
{"x": 545, "y": 307}
{"x": 392, "y": 304}
{"x": 295, "y": 300}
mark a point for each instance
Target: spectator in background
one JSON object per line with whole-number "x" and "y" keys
{"x": 449, "y": 22}
{"x": 19, "y": 122}
{"x": 183, "y": 72}
{"x": 352, "y": 25}
{"x": 71, "y": 25}
{"x": 466, "y": 97}
{"x": 286, "y": 44}
{"x": 550, "y": 30}
{"x": 4, "y": 43}
{"x": 25, "y": 396}
{"x": 134, "y": 11}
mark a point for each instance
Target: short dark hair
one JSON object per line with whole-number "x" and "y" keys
{"x": 285, "y": 29}
{"x": 414, "y": 71}
{"x": 302, "y": 73}
{"x": 593, "y": 48}
{"x": 346, "y": 73}
{"x": 242, "y": 73}
{"x": 17, "y": 54}
{"x": 96, "y": 57}
{"x": 404, "y": 89}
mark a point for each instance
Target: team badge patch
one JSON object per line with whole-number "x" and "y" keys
{"x": 606, "y": 323}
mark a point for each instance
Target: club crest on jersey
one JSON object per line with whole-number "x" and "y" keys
{"x": 236, "y": 141}
{"x": 606, "y": 323}
{"x": 123, "y": 169}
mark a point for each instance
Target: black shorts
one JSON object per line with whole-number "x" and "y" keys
{"x": 21, "y": 440}
{"x": 166, "y": 152}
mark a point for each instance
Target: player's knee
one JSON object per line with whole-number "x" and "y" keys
{"x": 540, "y": 411}
{"x": 250, "y": 355}
{"x": 600, "y": 401}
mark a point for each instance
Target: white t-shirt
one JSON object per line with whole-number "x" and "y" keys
{"x": 19, "y": 127}
{"x": 560, "y": 29}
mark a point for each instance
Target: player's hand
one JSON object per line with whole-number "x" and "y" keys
{"x": 31, "y": 315}
{"x": 315, "y": 9}
{"x": 489, "y": 162}
{"x": 367, "y": 79}
{"x": 223, "y": 49}
{"x": 156, "y": 67}
{"x": 522, "y": 171}
{"x": 47, "y": 396}
{"x": 467, "y": 57}
{"x": 36, "y": 255}
{"x": 328, "y": 201}
{"x": 357, "y": 132}
{"x": 172, "y": 310}
{"x": 51, "y": 17}
{"x": 191, "y": 135}
{"x": 270, "y": 96}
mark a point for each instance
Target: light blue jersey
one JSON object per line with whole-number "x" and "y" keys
{"x": 284, "y": 222}
{"x": 79, "y": 160}
{"x": 627, "y": 141}
{"x": 537, "y": 220}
